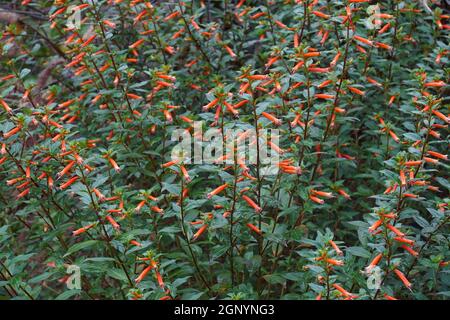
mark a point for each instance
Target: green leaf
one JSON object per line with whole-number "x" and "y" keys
{"x": 274, "y": 279}
{"x": 192, "y": 295}
{"x": 358, "y": 252}
{"x": 118, "y": 274}
{"x": 68, "y": 294}
{"x": 81, "y": 246}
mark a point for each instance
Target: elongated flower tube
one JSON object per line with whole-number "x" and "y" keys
{"x": 403, "y": 279}
{"x": 217, "y": 190}
{"x": 252, "y": 204}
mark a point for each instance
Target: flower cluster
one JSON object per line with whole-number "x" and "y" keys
{"x": 357, "y": 91}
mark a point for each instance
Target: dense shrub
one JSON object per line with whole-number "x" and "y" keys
{"x": 358, "y": 208}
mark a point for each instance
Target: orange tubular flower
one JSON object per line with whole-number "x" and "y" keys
{"x": 413, "y": 163}
{"x": 291, "y": 170}
{"x": 384, "y": 16}
{"x": 298, "y": 66}
{"x": 135, "y": 243}
{"x": 344, "y": 194}
{"x": 168, "y": 116}
{"x": 99, "y": 195}
{"x": 231, "y": 109}
{"x": 23, "y": 185}
{"x": 363, "y": 40}
{"x": 375, "y": 225}
{"x": 66, "y": 169}
{"x": 252, "y": 204}
{"x": 81, "y": 7}
{"x": 113, "y": 222}
{"x": 271, "y": 118}
{"x": 217, "y": 190}
{"x": 169, "y": 164}
{"x": 282, "y": 25}
{"x": 185, "y": 173}
{"x": 395, "y": 230}
{"x": 157, "y": 209}
{"x": 133, "y": 96}
{"x": 335, "y": 59}
{"x": 328, "y": 195}
{"x": 23, "y": 193}
{"x": 404, "y": 240}
{"x": 402, "y": 178}
{"x": 336, "y": 248}
{"x": 69, "y": 183}
{"x": 254, "y": 228}
{"x": 5, "y": 106}
{"x": 271, "y": 61}
{"x": 165, "y": 84}
{"x": 210, "y": 105}
{"x": 114, "y": 164}
{"x": 402, "y": 277}
{"x": 435, "y": 84}
{"x": 441, "y": 116}
{"x": 344, "y": 292}
{"x": 324, "y": 84}
{"x": 334, "y": 262}
{"x": 393, "y": 136}
{"x": 230, "y": 51}
{"x": 140, "y": 206}
{"x": 13, "y": 181}
{"x": 318, "y": 70}
{"x": 195, "y": 25}
{"x": 88, "y": 41}
{"x": 199, "y": 232}
{"x": 384, "y": 28}
{"x": 144, "y": 273}
{"x": 240, "y": 104}
{"x": 374, "y": 82}
{"x": 257, "y": 77}
{"x": 410, "y": 195}
{"x": 296, "y": 120}
{"x": 82, "y": 230}
{"x": 12, "y": 132}
{"x": 169, "y": 49}
{"x": 257, "y": 15}
{"x": 431, "y": 160}
{"x": 410, "y": 250}
{"x": 136, "y": 44}
{"x": 438, "y": 155}
{"x": 383, "y": 46}
{"x": 320, "y": 14}
{"x": 311, "y": 54}
{"x": 240, "y": 3}
{"x": 356, "y": 91}
{"x": 172, "y": 16}
{"x": 374, "y": 262}
{"x": 110, "y": 24}
{"x": 323, "y": 96}
{"x": 8, "y": 77}
{"x": 159, "y": 279}
{"x": 316, "y": 200}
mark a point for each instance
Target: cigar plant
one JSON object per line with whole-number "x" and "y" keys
{"x": 94, "y": 204}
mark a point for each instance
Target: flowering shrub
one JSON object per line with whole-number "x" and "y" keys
{"x": 95, "y": 205}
